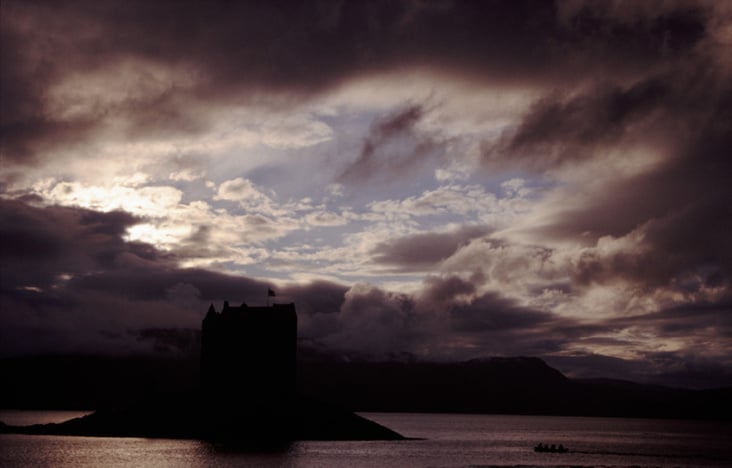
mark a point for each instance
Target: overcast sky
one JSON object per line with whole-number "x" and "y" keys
{"x": 445, "y": 179}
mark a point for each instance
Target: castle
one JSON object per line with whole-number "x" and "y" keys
{"x": 248, "y": 366}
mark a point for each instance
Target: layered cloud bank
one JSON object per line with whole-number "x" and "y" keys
{"x": 444, "y": 179}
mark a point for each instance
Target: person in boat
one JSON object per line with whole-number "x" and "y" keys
{"x": 551, "y": 449}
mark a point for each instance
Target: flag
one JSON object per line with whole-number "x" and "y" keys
{"x": 270, "y": 293}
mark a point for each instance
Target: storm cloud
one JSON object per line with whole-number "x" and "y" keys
{"x": 424, "y": 249}
{"x": 296, "y": 49}
{"x": 447, "y": 179}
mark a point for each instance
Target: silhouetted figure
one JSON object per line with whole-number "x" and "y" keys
{"x": 248, "y": 371}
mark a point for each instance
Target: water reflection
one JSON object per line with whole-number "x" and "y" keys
{"x": 450, "y": 440}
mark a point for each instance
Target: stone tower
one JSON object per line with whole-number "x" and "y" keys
{"x": 248, "y": 369}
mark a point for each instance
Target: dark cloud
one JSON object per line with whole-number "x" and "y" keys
{"x": 706, "y": 325}
{"x": 70, "y": 282}
{"x": 392, "y": 148}
{"x": 492, "y": 312}
{"x": 685, "y": 250}
{"x": 496, "y": 325}
{"x": 220, "y": 48}
{"x": 62, "y": 240}
{"x": 680, "y": 209}
{"x": 666, "y": 111}
{"x": 675, "y": 209}
{"x": 445, "y": 320}
{"x": 424, "y": 250}
{"x": 397, "y": 123}
{"x": 561, "y": 129}
{"x": 627, "y": 35}
{"x": 704, "y": 320}
{"x": 440, "y": 290}
{"x": 376, "y": 322}
{"x": 317, "y": 297}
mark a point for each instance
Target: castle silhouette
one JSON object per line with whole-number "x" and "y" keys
{"x": 248, "y": 369}
{"x": 248, "y": 396}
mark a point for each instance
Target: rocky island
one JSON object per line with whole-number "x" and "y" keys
{"x": 247, "y": 392}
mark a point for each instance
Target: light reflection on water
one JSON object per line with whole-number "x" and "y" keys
{"x": 448, "y": 441}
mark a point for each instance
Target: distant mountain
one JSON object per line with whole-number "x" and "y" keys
{"x": 515, "y": 385}
{"x": 505, "y": 385}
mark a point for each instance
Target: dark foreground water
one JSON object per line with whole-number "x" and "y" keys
{"x": 448, "y": 441}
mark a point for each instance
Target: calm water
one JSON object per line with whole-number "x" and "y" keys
{"x": 448, "y": 441}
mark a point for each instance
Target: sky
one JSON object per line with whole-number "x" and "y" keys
{"x": 441, "y": 180}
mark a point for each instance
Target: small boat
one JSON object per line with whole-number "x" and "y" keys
{"x": 551, "y": 448}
